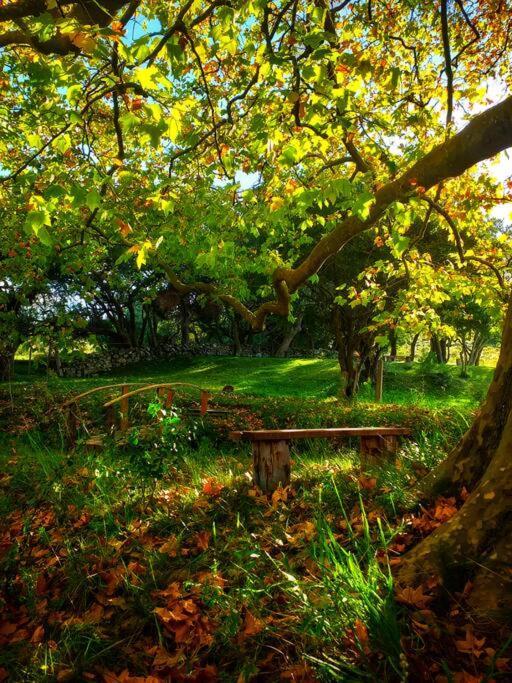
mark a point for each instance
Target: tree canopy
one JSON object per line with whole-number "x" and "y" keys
{"x": 237, "y": 146}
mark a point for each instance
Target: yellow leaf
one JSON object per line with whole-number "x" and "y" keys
{"x": 84, "y": 41}
{"x": 276, "y": 203}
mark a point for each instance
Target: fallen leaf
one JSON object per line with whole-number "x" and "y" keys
{"x": 38, "y": 635}
{"x": 252, "y": 625}
{"x": 361, "y": 633}
{"x": 414, "y": 597}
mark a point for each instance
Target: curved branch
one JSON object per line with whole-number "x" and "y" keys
{"x": 485, "y": 135}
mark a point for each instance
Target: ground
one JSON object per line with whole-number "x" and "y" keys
{"x": 156, "y": 559}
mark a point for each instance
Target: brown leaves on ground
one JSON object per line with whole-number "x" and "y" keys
{"x": 413, "y": 597}
{"x": 189, "y": 601}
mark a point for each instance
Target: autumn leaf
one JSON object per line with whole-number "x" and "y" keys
{"x": 252, "y": 625}
{"x": 124, "y": 228}
{"x": 276, "y": 203}
{"x": 202, "y": 540}
{"x": 471, "y": 644}
{"x": 84, "y": 41}
{"x": 414, "y": 597}
{"x": 38, "y": 635}
{"x": 361, "y": 633}
{"x": 211, "y": 487}
{"x": 367, "y": 483}
{"x": 170, "y": 547}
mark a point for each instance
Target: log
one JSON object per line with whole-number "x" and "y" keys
{"x": 271, "y": 464}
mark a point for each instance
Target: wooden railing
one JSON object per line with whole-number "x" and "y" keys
{"x": 165, "y": 390}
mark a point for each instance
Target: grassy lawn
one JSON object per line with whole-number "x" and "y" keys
{"x": 115, "y": 572}
{"x": 415, "y": 384}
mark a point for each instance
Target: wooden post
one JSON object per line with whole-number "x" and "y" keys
{"x": 168, "y": 400}
{"x": 110, "y": 419}
{"x": 379, "y": 382}
{"x": 204, "y": 402}
{"x": 124, "y": 405}
{"x": 271, "y": 464}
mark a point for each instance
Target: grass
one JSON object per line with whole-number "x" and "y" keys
{"x": 206, "y": 579}
{"x": 416, "y": 383}
{"x": 156, "y": 558}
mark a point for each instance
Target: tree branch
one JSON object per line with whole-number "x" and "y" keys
{"x": 485, "y": 135}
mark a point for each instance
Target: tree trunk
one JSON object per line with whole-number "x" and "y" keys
{"x": 393, "y": 341}
{"x": 237, "y": 346}
{"x": 412, "y": 350}
{"x": 476, "y": 540}
{"x": 440, "y": 348}
{"x": 476, "y": 349}
{"x": 289, "y": 337}
{"x": 6, "y": 365}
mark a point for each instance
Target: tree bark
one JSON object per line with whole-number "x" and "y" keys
{"x": 476, "y": 540}
{"x": 412, "y": 350}
{"x": 271, "y": 464}
{"x": 6, "y": 365}
{"x": 290, "y": 335}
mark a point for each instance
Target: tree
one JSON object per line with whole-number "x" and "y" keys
{"x": 477, "y": 539}
{"x": 250, "y": 142}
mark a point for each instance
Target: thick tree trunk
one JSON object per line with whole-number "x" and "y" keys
{"x": 477, "y": 539}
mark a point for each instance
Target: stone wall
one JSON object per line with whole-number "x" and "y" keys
{"x": 108, "y": 360}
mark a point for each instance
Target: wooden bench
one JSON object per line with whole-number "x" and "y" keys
{"x": 271, "y": 453}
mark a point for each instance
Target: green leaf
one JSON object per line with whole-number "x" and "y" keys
{"x": 93, "y": 199}
{"x": 362, "y": 204}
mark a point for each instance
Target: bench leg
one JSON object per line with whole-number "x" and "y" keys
{"x": 372, "y": 446}
{"x": 271, "y": 464}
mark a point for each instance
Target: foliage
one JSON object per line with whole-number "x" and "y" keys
{"x": 219, "y": 144}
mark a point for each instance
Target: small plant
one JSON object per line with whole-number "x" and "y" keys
{"x": 152, "y": 448}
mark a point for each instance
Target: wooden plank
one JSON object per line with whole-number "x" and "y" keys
{"x": 75, "y": 399}
{"x": 271, "y": 464}
{"x": 204, "y": 402}
{"x": 327, "y": 433}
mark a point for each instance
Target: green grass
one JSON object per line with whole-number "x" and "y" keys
{"x": 206, "y": 573}
{"x": 141, "y": 552}
{"x": 279, "y": 561}
{"x": 404, "y": 384}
